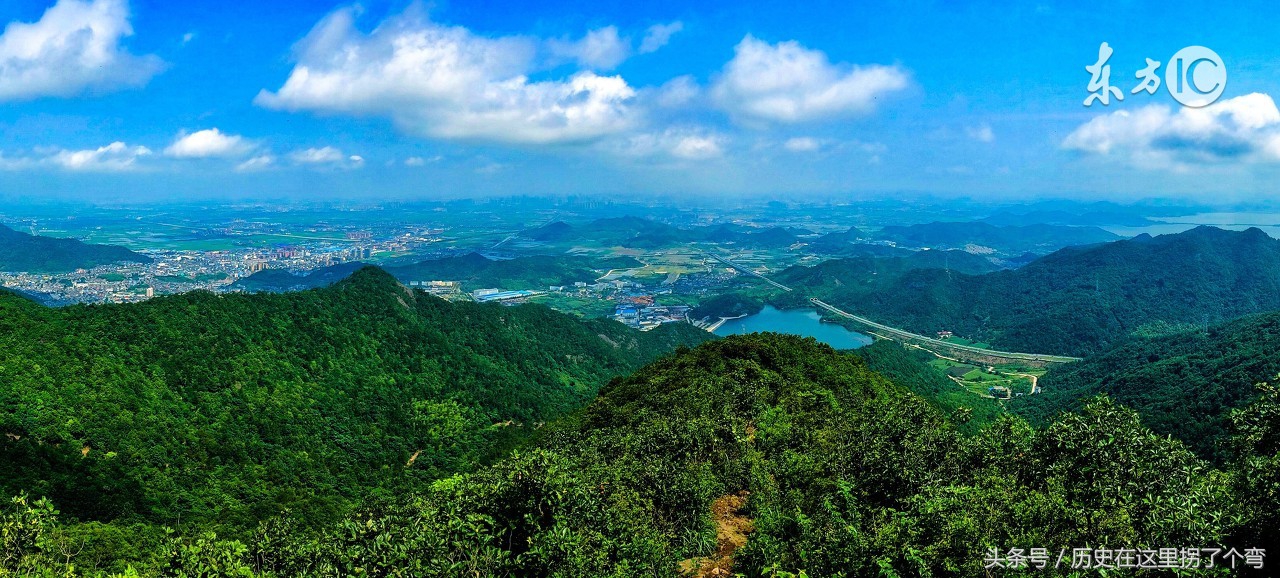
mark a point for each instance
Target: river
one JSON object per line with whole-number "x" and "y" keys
{"x": 803, "y": 322}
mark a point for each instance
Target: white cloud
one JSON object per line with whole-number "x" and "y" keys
{"x": 678, "y": 92}
{"x": 601, "y": 48}
{"x": 981, "y": 133}
{"x": 697, "y": 147}
{"x": 659, "y": 35}
{"x": 679, "y": 143}
{"x": 258, "y": 163}
{"x": 326, "y": 156}
{"x": 1244, "y": 129}
{"x": 787, "y": 82}
{"x": 422, "y": 162}
{"x": 115, "y": 157}
{"x": 207, "y": 144}
{"x": 74, "y": 48}
{"x": 447, "y": 82}
{"x": 802, "y": 144}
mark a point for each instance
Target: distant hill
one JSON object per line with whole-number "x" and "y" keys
{"x": 1068, "y": 218}
{"x": 551, "y": 232}
{"x": 228, "y": 409}
{"x": 1076, "y": 301}
{"x": 473, "y": 270}
{"x": 280, "y": 281}
{"x": 37, "y": 254}
{"x": 640, "y": 233}
{"x": 837, "y": 242}
{"x": 1007, "y": 240}
{"x": 1183, "y": 381}
{"x": 878, "y": 270}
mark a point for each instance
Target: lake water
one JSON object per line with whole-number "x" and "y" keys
{"x": 803, "y": 322}
{"x": 1268, "y": 222}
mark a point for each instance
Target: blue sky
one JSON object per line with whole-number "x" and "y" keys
{"x": 147, "y": 99}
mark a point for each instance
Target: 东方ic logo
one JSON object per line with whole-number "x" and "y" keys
{"x": 1195, "y": 76}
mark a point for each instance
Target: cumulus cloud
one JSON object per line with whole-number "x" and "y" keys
{"x": 209, "y": 143}
{"x": 1238, "y": 130}
{"x": 659, "y": 35}
{"x": 601, "y": 48}
{"x": 74, "y": 48}
{"x": 115, "y": 157}
{"x": 326, "y": 156}
{"x": 447, "y": 82}
{"x": 787, "y": 83}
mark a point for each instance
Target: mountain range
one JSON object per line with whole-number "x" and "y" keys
{"x": 1078, "y": 300}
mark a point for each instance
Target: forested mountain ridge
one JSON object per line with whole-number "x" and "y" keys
{"x": 38, "y": 254}
{"x": 1184, "y": 381}
{"x": 1081, "y": 300}
{"x": 771, "y": 455}
{"x": 221, "y": 410}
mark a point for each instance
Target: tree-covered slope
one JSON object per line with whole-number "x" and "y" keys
{"x": 36, "y": 254}
{"x": 769, "y": 455}
{"x": 1079, "y": 300}
{"x": 909, "y": 368}
{"x": 223, "y": 410}
{"x": 1184, "y": 383}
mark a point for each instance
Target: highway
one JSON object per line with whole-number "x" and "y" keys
{"x": 905, "y": 335}
{"x": 749, "y": 272}
{"x": 895, "y": 332}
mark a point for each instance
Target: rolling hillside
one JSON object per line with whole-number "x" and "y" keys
{"x": 225, "y": 410}
{"x": 1184, "y": 381}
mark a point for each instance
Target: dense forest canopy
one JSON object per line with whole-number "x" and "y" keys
{"x": 1183, "y": 380}
{"x": 765, "y": 455}
{"x": 220, "y": 411}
